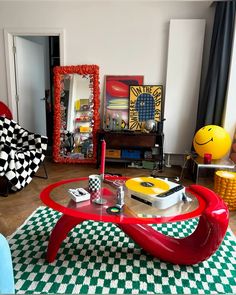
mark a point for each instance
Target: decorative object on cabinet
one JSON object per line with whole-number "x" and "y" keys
{"x": 144, "y": 105}
{"x": 76, "y": 113}
{"x": 116, "y": 102}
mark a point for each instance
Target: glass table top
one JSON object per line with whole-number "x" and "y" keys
{"x": 220, "y": 163}
{"x": 58, "y": 197}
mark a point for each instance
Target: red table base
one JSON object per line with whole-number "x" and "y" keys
{"x": 197, "y": 247}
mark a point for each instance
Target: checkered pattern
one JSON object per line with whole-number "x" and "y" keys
{"x": 21, "y": 153}
{"x": 94, "y": 184}
{"x": 95, "y": 195}
{"x": 145, "y": 105}
{"x": 98, "y": 258}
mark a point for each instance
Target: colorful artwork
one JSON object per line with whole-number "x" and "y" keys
{"x": 144, "y": 105}
{"x": 116, "y": 102}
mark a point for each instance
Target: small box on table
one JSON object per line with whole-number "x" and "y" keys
{"x": 79, "y": 194}
{"x": 131, "y": 154}
{"x": 113, "y": 153}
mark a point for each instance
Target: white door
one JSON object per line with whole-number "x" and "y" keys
{"x": 30, "y": 84}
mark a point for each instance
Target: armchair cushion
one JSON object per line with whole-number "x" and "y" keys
{"x": 21, "y": 153}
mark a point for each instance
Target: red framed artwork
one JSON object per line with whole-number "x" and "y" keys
{"x": 116, "y": 100}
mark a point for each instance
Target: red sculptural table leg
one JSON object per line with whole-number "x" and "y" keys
{"x": 64, "y": 225}
{"x": 197, "y": 247}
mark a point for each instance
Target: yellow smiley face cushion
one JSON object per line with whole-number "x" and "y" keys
{"x": 212, "y": 139}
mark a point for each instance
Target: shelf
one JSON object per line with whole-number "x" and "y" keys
{"x": 83, "y": 111}
{"x": 132, "y": 159}
{"x": 78, "y": 132}
{"x": 117, "y": 160}
{"x": 126, "y": 141}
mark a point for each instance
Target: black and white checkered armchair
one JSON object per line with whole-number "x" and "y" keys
{"x": 21, "y": 153}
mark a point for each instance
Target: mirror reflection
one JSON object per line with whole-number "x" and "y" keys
{"x": 78, "y": 123}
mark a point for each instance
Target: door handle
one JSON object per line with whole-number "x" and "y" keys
{"x": 44, "y": 98}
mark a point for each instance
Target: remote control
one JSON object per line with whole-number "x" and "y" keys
{"x": 170, "y": 191}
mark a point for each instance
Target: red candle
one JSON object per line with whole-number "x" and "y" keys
{"x": 103, "y": 157}
{"x": 207, "y": 158}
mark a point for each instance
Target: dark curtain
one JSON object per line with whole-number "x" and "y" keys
{"x": 212, "y": 98}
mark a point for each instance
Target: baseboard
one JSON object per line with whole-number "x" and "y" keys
{"x": 174, "y": 159}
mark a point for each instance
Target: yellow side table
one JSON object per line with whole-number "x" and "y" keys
{"x": 225, "y": 187}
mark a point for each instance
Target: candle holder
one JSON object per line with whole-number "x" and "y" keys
{"x": 95, "y": 186}
{"x": 99, "y": 200}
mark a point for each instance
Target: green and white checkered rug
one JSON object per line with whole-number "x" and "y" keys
{"x": 98, "y": 258}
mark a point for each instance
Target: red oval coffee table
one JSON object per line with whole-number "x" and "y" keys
{"x": 134, "y": 219}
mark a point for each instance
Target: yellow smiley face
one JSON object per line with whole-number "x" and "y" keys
{"x": 212, "y": 139}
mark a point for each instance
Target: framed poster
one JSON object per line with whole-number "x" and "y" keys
{"x": 144, "y": 104}
{"x": 116, "y": 101}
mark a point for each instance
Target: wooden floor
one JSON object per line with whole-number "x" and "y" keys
{"x": 15, "y": 208}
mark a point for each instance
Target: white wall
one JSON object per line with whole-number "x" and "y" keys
{"x": 126, "y": 37}
{"x": 122, "y": 38}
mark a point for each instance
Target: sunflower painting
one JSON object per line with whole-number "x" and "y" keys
{"x": 144, "y": 104}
